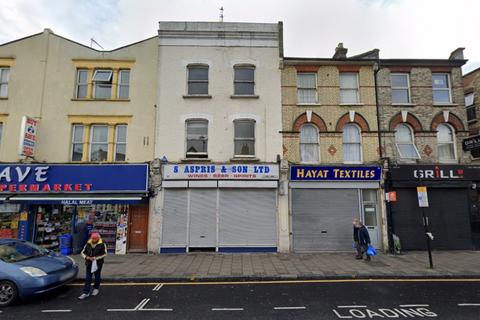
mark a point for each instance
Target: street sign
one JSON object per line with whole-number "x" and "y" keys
{"x": 392, "y": 196}
{"x": 422, "y": 197}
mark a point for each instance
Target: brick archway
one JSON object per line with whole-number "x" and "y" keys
{"x": 411, "y": 120}
{"x": 358, "y": 119}
{"x": 452, "y": 120}
{"x": 316, "y": 120}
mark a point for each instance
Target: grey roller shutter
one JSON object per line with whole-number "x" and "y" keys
{"x": 247, "y": 217}
{"x": 203, "y": 218}
{"x": 322, "y": 219}
{"x": 174, "y": 224}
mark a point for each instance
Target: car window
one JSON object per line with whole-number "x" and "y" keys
{"x": 18, "y": 251}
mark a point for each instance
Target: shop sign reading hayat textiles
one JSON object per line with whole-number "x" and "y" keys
{"x": 318, "y": 173}
{"x": 220, "y": 172}
{"x": 54, "y": 178}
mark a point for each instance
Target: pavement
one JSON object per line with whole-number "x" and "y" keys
{"x": 447, "y": 299}
{"x": 284, "y": 266}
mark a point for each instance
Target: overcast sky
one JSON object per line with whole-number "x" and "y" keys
{"x": 399, "y": 28}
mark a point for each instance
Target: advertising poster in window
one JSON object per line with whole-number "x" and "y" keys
{"x": 28, "y": 137}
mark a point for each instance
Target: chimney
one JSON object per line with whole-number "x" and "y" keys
{"x": 340, "y": 52}
{"x": 457, "y": 54}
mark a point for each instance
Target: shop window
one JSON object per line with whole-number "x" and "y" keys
{"x": 309, "y": 144}
{"x": 244, "y": 80}
{"x": 102, "y": 84}
{"x": 469, "y": 104}
{"x": 405, "y": 143}
{"x": 99, "y": 143}
{"x": 352, "y": 145}
{"x": 121, "y": 142}
{"x": 446, "y": 143}
{"x": 9, "y": 218}
{"x": 441, "y": 88}
{"x": 400, "y": 83}
{"x": 198, "y": 80}
{"x": 244, "y": 138}
{"x": 307, "y": 88}
{"x": 4, "y": 77}
{"x": 369, "y": 200}
{"x": 77, "y": 142}
{"x": 123, "y": 84}
{"x": 82, "y": 84}
{"x": 349, "y": 87}
{"x": 197, "y": 138}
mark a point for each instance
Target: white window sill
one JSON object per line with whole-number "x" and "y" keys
{"x": 446, "y": 104}
{"x": 403, "y": 104}
{"x": 244, "y": 96}
{"x": 353, "y": 162}
{"x": 197, "y": 96}
{"x": 195, "y": 159}
{"x": 356, "y": 104}
{"x": 448, "y": 161}
{"x": 244, "y": 159}
{"x": 308, "y": 104}
{"x": 93, "y": 99}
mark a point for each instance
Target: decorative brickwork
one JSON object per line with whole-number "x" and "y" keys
{"x": 411, "y": 120}
{"x": 358, "y": 119}
{"x": 316, "y": 120}
{"x": 452, "y": 119}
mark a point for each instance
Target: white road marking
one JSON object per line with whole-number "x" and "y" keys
{"x": 469, "y": 304}
{"x": 160, "y": 309}
{"x": 350, "y": 307}
{"x": 54, "y": 311}
{"x": 227, "y": 309}
{"x": 289, "y": 308}
{"x": 142, "y": 304}
{"x": 158, "y": 287}
{"x": 414, "y": 305}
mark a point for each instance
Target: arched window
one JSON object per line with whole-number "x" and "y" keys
{"x": 352, "y": 144}
{"x": 445, "y": 142}
{"x": 309, "y": 143}
{"x": 404, "y": 141}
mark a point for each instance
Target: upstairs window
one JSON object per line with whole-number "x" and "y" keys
{"x": 306, "y": 88}
{"x": 441, "y": 88}
{"x": 244, "y": 80}
{"x": 4, "y": 77}
{"x": 244, "y": 138}
{"x": 352, "y": 144}
{"x": 446, "y": 143}
{"x": 99, "y": 143}
{"x": 400, "y": 88}
{"x": 123, "y": 84}
{"x": 349, "y": 87}
{"x": 404, "y": 142}
{"x": 469, "y": 104}
{"x": 81, "y": 84}
{"x": 309, "y": 144}
{"x": 102, "y": 84}
{"x": 197, "y": 138}
{"x": 77, "y": 142}
{"x": 198, "y": 80}
{"x": 120, "y": 142}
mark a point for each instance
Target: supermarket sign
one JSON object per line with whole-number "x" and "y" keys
{"x": 64, "y": 178}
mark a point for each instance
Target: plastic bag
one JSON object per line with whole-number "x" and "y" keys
{"x": 94, "y": 266}
{"x": 371, "y": 251}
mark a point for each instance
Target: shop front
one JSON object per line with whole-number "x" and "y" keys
{"x": 325, "y": 199}
{"x": 219, "y": 208}
{"x": 452, "y": 213}
{"x": 57, "y": 206}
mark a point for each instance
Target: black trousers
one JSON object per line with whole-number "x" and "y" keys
{"x": 89, "y": 277}
{"x": 361, "y": 249}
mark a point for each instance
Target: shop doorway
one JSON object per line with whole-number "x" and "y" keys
{"x": 370, "y": 215}
{"x": 138, "y": 229}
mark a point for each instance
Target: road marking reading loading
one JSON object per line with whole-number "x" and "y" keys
{"x": 141, "y": 307}
{"x": 227, "y": 309}
{"x": 289, "y": 308}
{"x": 403, "y": 311}
{"x": 158, "y": 287}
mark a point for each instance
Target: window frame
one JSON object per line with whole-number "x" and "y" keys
{"x": 360, "y": 161}
{"x": 117, "y": 143}
{"x": 412, "y": 142}
{"x": 102, "y": 83}
{"x": 310, "y": 143}
{"x": 453, "y": 142}
{"x": 357, "y": 89}
{"x": 235, "y": 139}
{"x": 315, "y": 74}
{"x": 78, "y": 84}
{"x": 81, "y": 142}
{"x": 195, "y": 154}
{"x": 120, "y": 84}
{"x": 6, "y": 84}
{"x": 244, "y": 66}
{"x": 200, "y": 66}
{"x": 91, "y": 143}
{"x": 449, "y": 88}
{"x": 401, "y": 88}
{"x": 470, "y": 107}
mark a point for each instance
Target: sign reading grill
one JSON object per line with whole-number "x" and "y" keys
{"x": 471, "y": 143}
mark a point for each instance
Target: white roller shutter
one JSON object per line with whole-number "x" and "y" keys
{"x": 203, "y": 218}
{"x": 174, "y": 224}
{"x": 247, "y": 217}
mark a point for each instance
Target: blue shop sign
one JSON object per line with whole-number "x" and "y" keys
{"x": 318, "y": 173}
{"x": 64, "y": 178}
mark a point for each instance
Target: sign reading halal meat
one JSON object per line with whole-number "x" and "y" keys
{"x": 28, "y": 137}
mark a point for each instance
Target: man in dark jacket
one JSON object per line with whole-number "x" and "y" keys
{"x": 94, "y": 252}
{"x": 363, "y": 239}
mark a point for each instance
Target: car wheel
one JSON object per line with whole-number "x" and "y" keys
{"x": 8, "y": 293}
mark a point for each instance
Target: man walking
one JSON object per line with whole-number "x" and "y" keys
{"x": 94, "y": 253}
{"x": 361, "y": 238}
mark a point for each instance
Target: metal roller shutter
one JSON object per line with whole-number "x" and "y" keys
{"x": 203, "y": 218}
{"x": 174, "y": 224}
{"x": 322, "y": 219}
{"x": 448, "y": 215}
{"x": 247, "y": 217}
